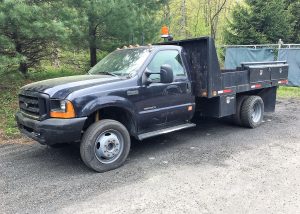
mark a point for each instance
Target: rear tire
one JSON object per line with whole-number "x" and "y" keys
{"x": 105, "y": 145}
{"x": 237, "y": 116}
{"x": 252, "y": 111}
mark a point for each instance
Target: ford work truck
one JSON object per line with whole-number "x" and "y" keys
{"x": 144, "y": 91}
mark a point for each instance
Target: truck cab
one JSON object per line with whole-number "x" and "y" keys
{"x": 144, "y": 91}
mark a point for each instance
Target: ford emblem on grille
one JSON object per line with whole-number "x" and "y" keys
{"x": 26, "y": 105}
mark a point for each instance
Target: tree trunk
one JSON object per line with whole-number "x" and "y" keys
{"x": 212, "y": 31}
{"x": 93, "y": 55}
{"x": 92, "y": 45}
{"x": 23, "y": 68}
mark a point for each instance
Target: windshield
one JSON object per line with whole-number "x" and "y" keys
{"x": 122, "y": 62}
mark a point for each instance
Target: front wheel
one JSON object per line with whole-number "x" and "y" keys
{"x": 252, "y": 111}
{"x": 105, "y": 145}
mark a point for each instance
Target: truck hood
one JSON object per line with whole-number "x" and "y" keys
{"x": 63, "y": 86}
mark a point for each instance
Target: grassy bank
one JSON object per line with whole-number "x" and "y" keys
{"x": 289, "y": 92}
{"x": 10, "y": 85}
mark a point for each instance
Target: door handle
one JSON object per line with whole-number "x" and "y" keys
{"x": 188, "y": 87}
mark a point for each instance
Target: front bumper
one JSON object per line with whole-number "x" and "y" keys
{"x": 51, "y": 131}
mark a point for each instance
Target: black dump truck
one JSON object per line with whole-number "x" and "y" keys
{"x": 144, "y": 91}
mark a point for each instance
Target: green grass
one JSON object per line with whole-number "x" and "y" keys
{"x": 10, "y": 84}
{"x": 289, "y": 92}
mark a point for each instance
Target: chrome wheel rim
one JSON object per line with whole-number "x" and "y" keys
{"x": 109, "y": 146}
{"x": 256, "y": 112}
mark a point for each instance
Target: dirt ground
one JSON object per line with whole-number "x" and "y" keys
{"x": 212, "y": 168}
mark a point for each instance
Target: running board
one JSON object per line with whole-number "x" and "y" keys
{"x": 165, "y": 131}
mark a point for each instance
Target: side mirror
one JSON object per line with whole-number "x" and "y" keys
{"x": 166, "y": 74}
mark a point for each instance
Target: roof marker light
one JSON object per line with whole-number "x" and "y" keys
{"x": 164, "y": 32}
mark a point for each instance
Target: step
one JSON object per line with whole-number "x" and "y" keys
{"x": 165, "y": 131}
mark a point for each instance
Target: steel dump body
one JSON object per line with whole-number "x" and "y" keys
{"x": 216, "y": 89}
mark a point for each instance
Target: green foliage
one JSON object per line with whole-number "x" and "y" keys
{"x": 29, "y": 30}
{"x": 258, "y": 22}
{"x": 294, "y": 19}
{"x": 107, "y": 24}
{"x": 195, "y": 18}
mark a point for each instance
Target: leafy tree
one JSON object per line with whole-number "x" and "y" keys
{"x": 194, "y": 18}
{"x": 29, "y": 30}
{"x": 257, "y": 22}
{"x": 294, "y": 18}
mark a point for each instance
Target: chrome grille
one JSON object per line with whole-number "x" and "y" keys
{"x": 29, "y": 105}
{"x": 33, "y": 104}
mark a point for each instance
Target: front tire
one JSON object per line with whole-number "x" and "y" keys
{"x": 252, "y": 112}
{"x": 105, "y": 145}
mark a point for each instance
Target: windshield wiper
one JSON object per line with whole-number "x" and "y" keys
{"x": 107, "y": 73}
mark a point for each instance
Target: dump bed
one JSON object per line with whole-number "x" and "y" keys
{"x": 210, "y": 81}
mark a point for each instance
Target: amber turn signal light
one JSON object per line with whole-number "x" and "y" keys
{"x": 68, "y": 113}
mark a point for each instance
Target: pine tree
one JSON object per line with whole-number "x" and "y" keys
{"x": 106, "y": 24}
{"x": 28, "y": 31}
{"x": 31, "y": 30}
{"x": 257, "y": 22}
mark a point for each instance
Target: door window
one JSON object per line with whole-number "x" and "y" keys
{"x": 170, "y": 57}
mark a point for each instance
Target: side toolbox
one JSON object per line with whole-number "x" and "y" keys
{"x": 259, "y": 73}
{"x": 279, "y": 72}
{"x": 266, "y": 71}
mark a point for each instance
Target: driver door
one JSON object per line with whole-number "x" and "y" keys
{"x": 165, "y": 103}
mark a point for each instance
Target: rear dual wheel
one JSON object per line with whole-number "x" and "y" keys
{"x": 105, "y": 145}
{"x": 250, "y": 111}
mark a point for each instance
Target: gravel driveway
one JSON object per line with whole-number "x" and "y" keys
{"x": 213, "y": 168}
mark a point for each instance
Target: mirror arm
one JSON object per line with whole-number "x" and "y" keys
{"x": 148, "y": 82}
{"x": 148, "y": 73}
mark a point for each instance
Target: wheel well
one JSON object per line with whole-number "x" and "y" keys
{"x": 115, "y": 113}
{"x": 267, "y": 94}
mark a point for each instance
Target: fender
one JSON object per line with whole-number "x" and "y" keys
{"x": 107, "y": 101}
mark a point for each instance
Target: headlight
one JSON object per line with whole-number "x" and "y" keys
{"x": 61, "y": 109}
